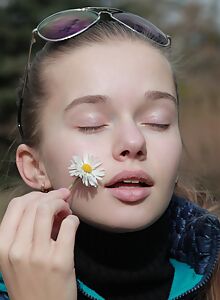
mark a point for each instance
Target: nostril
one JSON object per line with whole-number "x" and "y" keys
{"x": 125, "y": 153}
{"x": 140, "y": 153}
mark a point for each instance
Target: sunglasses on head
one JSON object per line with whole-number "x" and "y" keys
{"x": 70, "y": 23}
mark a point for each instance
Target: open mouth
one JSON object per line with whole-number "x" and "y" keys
{"x": 131, "y": 186}
{"x": 129, "y": 183}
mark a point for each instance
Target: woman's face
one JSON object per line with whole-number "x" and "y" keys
{"x": 115, "y": 100}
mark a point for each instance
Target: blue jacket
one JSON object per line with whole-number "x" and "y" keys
{"x": 194, "y": 251}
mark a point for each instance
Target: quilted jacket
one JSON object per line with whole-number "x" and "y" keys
{"x": 194, "y": 252}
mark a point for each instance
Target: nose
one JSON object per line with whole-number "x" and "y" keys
{"x": 129, "y": 143}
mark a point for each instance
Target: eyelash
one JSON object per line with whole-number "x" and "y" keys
{"x": 157, "y": 125}
{"x": 91, "y": 129}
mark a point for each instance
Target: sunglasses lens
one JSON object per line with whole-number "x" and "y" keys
{"x": 143, "y": 26}
{"x": 65, "y": 24}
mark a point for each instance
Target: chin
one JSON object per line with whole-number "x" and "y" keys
{"x": 120, "y": 225}
{"x": 119, "y": 217}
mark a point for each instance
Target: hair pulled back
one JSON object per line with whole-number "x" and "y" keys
{"x": 35, "y": 93}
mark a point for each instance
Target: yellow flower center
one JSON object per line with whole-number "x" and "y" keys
{"x": 87, "y": 168}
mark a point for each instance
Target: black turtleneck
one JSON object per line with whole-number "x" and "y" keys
{"x": 131, "y": 266}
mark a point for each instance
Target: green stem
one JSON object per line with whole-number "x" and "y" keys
{"x": 73, "y": 183}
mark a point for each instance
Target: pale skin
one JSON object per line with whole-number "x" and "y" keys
{"x": 130, "y": 127}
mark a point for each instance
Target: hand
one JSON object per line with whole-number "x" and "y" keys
{"x": 36, "y": 266}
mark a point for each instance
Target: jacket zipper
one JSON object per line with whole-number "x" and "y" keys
{"x": 182, "y": 296}
{"x": 86, "y": 294}
{"x": 191, "y": 291}
{"x": 205, "y": 280}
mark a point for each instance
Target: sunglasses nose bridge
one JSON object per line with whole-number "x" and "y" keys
{"x": 105, "y": 15}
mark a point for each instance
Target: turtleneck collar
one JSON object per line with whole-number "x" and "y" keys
{"x": 133, "y": 265}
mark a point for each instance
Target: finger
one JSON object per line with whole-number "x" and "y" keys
{"x": 13, "y": 216}
{"x": 24, "y": 233}
{"x": 18, "y": 205}
{"x": 44, "y": 218}
{"x": 63, "y": 193}
{"x": 15, "y": 212}
{"x": 66, "y": 237}
{"x": 57, "y": 223}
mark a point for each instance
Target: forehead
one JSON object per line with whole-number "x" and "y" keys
{"x": 114, "y": 68}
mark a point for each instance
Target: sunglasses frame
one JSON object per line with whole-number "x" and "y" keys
{"x": 100, "y": 12}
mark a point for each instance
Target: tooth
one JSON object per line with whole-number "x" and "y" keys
{"x": 131, "y": 181}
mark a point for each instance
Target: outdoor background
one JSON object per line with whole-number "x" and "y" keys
{"x": 195, "y": 28}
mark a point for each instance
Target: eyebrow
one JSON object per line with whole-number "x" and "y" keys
{"x": 94, "y": 99}
{"x": 156, "y": 95}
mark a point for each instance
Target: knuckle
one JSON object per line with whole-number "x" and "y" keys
{"x": 35, "y": 193}
{"x": 14, "y": 202}
{"x": 20, "y": 200}
{"x": 16, "y": 255}
{"x": 57, "y": 264}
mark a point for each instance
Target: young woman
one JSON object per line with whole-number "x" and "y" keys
{"x": 102, "y": 89}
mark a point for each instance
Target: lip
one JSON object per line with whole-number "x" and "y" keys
{"x": 133, "y": 193}
{"x": 136, "y": 175}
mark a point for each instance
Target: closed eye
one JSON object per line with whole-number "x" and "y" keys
{"x": 158, "y": 126}
{"x": 91, "y": 129}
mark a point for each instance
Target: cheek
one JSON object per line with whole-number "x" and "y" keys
{"x": 166, "y": 154}
{"x": 57, "y": 154}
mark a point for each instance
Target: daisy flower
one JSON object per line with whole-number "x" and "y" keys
{"x": 88, "y": 169}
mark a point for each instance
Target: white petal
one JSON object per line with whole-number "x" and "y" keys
{"x": 78, "y": 164}
{"x": 92, "y": 178}
{"x": 99, "y": 173}
{"x": 81, "y": 174}
{"x": 73, "y": 173}
{"x": 86, "y": 158}
{"x": 99, "y": 178}
{"x": 72, "y": 166}
{"x": 93, "y": 184}
{"x": 93, "y": 161}
{"x": 96, "y": 164}
{"x": 77, "y": 160}
{"x": 93, "y": 181}
{"x": 73, "y": 170}
{"x": 85, "y": 180}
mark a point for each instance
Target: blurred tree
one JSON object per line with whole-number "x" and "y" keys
{"x": 17, "y": 19}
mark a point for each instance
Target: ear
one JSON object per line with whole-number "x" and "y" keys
{"x": 31, "y": 169}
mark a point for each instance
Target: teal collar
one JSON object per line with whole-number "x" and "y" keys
{"x": 185, "y": 280}
{"x": 2, "y": 284}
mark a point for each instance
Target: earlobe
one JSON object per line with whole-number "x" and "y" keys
{"x": 30, "y": 168}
